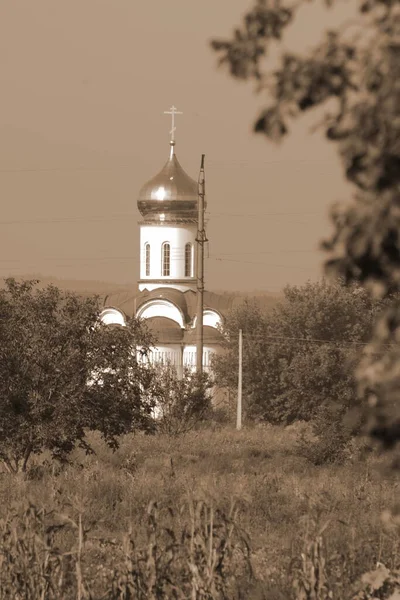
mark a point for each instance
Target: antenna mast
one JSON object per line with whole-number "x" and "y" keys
{"x": 200, "y": 239}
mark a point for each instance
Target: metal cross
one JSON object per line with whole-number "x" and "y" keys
{"x": 173, "y": 111}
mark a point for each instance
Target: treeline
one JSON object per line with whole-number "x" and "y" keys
{"x": 63, "y": 372}
{"x": 300, "y": 361}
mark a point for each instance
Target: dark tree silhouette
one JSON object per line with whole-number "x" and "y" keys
{"x": 63, "y": 372}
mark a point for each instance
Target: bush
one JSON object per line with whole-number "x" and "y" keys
{"x": 181, "y": 403}
{"x": 63, "y": 372}
{"x": 299, "y": 356}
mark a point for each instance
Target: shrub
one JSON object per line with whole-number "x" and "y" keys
{"x": 181, "y": 403}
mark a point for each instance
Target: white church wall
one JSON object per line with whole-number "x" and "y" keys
{"x": 166, "y": 354}
{"x": 177, "y": 236}
{"x": 190, "y": 354}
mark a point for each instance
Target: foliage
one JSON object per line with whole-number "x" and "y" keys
{"x": 298, "y": 358}
{"x": 181, "y": 403}
{"x": 379, "y": 583}
{"x": 331, "y": 436}
{"x": 356, "y": 67}
{"x": 355, "y": 73}
{"x": 63, "y": 372}
{"x": 379, "y": 378}
{"x": 313, "y": 575}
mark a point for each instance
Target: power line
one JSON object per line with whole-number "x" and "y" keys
{"x": 102, "y": 218}
{"x": 270, "y": 214}
{"x": 223, "y": 254}
{"x": 274, "y": 339}
{"x": 63, "y": 169}
{"x": 124, "y": 216}
{"x": 301, "y": 339}
{"x": 178, "y": 255}
{"x": 211, "y": 162}
{"x": 251, "y": 262}
{"x": 89, "y": 261}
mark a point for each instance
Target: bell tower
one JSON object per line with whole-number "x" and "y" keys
{"x": 168, "y": 204}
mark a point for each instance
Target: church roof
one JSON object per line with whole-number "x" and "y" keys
{"x": 130, "y": 301}
{"x": 165, "y": 330}
{"x": 210, "y": 336}
{"x": 171, "y": 195}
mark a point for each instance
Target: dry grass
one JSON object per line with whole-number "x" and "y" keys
{"x": 93, "y": 528}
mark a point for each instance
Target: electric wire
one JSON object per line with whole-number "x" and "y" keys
{"x": 210, "y": 163}
{"x": 125, "y": 216}
{"x": 277, "y": 340}
{"x": 175, "y": 256}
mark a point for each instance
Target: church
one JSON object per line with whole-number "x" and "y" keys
{"x": 166, "y": 293}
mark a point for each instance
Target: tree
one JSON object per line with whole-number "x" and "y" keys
{"x": 300, "y": 356}
{"x": 63, "y": 372}
{"x": 355, "y": 71}
{"x": 181, "y": 403}
{"x": 257, "y": 379}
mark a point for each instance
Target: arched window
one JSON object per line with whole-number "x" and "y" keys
{"x": 147, "y": 258}
{"x": 166, "y": 259}
{"x": 161, "y": 308}
{"x": 188, "y": 260}
{"x": 112, "y": 316}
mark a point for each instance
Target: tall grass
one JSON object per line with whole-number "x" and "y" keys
{"x": 213, "y": 515}
{"x": 196, "y": 552}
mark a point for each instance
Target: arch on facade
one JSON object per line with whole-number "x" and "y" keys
{"x": 211, "y": 318}
{"x": 112, "y": 316}
{"x": 161, "y": 308}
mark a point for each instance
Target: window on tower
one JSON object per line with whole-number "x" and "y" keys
{"x": 147, "y": 258}
{"x": 188, "y": 260}
{"x": 166, "y": 259}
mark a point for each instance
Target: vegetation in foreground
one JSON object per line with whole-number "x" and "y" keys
{"x": 209, "y": 514}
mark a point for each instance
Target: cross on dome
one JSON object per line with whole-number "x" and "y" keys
{"x": 173, "y": 111}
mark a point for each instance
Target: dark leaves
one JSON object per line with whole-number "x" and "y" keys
{"x": 52, "y": 347}
{"x": 272, "y": 124}
{"x": 359, "y": 74}
{"x": 249, "y": 44}
{"x": 301, "y": 355}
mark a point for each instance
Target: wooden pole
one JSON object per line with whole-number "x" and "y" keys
{"x": 239, "y": 397}
{"x": 200, "y": 239}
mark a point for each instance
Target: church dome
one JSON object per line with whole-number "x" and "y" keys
{"x": 171, "y": 195}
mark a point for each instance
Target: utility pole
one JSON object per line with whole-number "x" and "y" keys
{"x": 239, "y": 398}
{"x": 200, "y": 239}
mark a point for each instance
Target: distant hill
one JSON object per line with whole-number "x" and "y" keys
{"x": 79, "y": 286}
{"x": 265, "y": 300}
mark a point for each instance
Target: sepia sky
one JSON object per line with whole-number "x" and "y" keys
{"x": 83, "y": 87}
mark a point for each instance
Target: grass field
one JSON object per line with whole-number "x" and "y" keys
{"x": 237, "y": 514}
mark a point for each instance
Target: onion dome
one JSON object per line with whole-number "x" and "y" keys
{"x": 171, "y": 195}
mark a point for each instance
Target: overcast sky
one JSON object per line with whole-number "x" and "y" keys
{"x": 83, "y": 87}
